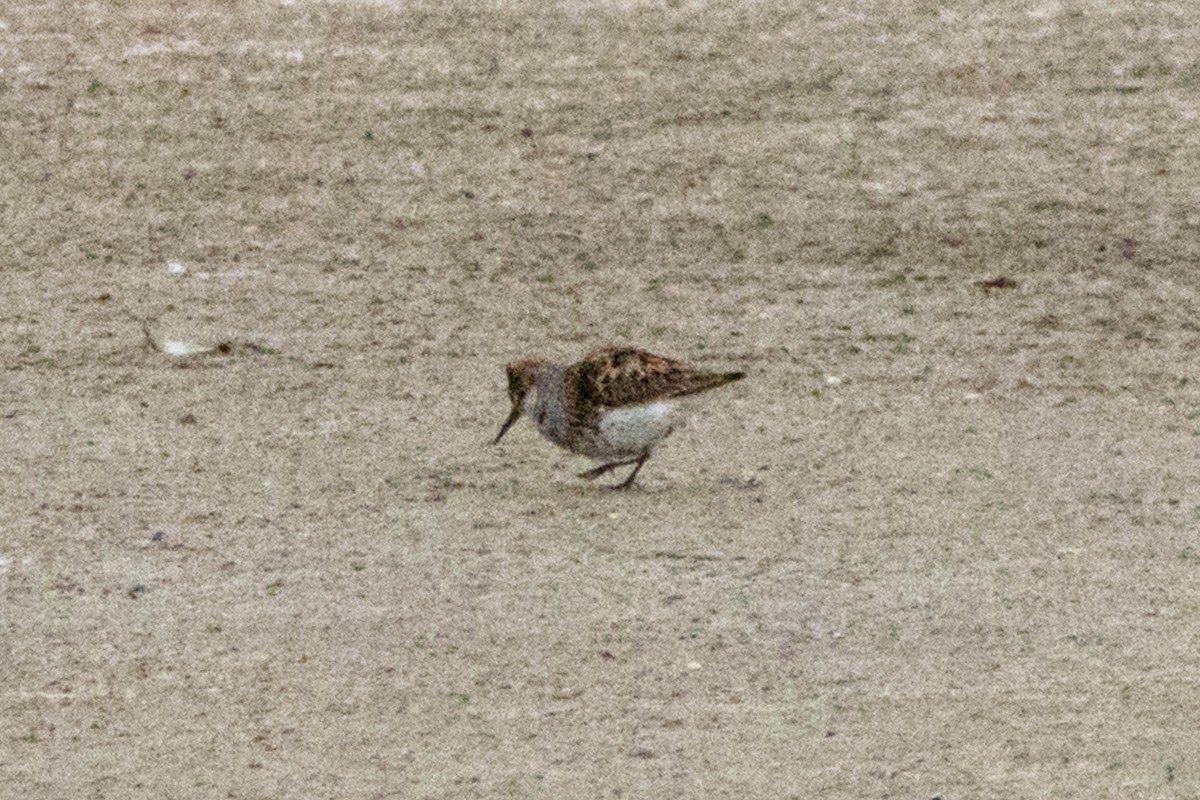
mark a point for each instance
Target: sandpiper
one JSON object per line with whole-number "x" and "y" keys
{"x": 613, "y": 406}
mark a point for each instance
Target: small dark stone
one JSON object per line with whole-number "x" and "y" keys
{"x": 997, "y": 283}
{"x": 158, "y": 536}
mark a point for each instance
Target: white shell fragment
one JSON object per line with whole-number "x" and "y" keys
{"x": 175, "y": 347}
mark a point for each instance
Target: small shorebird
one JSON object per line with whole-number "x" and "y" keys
{"x": 613, "y": 406}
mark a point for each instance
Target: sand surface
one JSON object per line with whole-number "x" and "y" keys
{"x": 943, "y": 541}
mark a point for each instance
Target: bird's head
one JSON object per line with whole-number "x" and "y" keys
{"x": 522, "y": 377}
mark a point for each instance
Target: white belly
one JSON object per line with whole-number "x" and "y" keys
{"x": 632, "y": 429}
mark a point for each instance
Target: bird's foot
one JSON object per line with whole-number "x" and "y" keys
{"x": 604, "y": 469}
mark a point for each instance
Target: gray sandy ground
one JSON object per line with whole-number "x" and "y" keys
{"x": 942, "y": 542}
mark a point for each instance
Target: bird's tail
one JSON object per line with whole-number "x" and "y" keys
{"x": 703, "y": 381}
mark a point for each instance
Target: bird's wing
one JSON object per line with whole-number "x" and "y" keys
{"x": 620, "y": 376}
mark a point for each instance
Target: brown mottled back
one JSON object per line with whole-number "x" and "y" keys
{"x": 621, "y": 376}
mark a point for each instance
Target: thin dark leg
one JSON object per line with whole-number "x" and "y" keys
{"x": 629, "y": 481}
{"x": 603, "y": 469}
